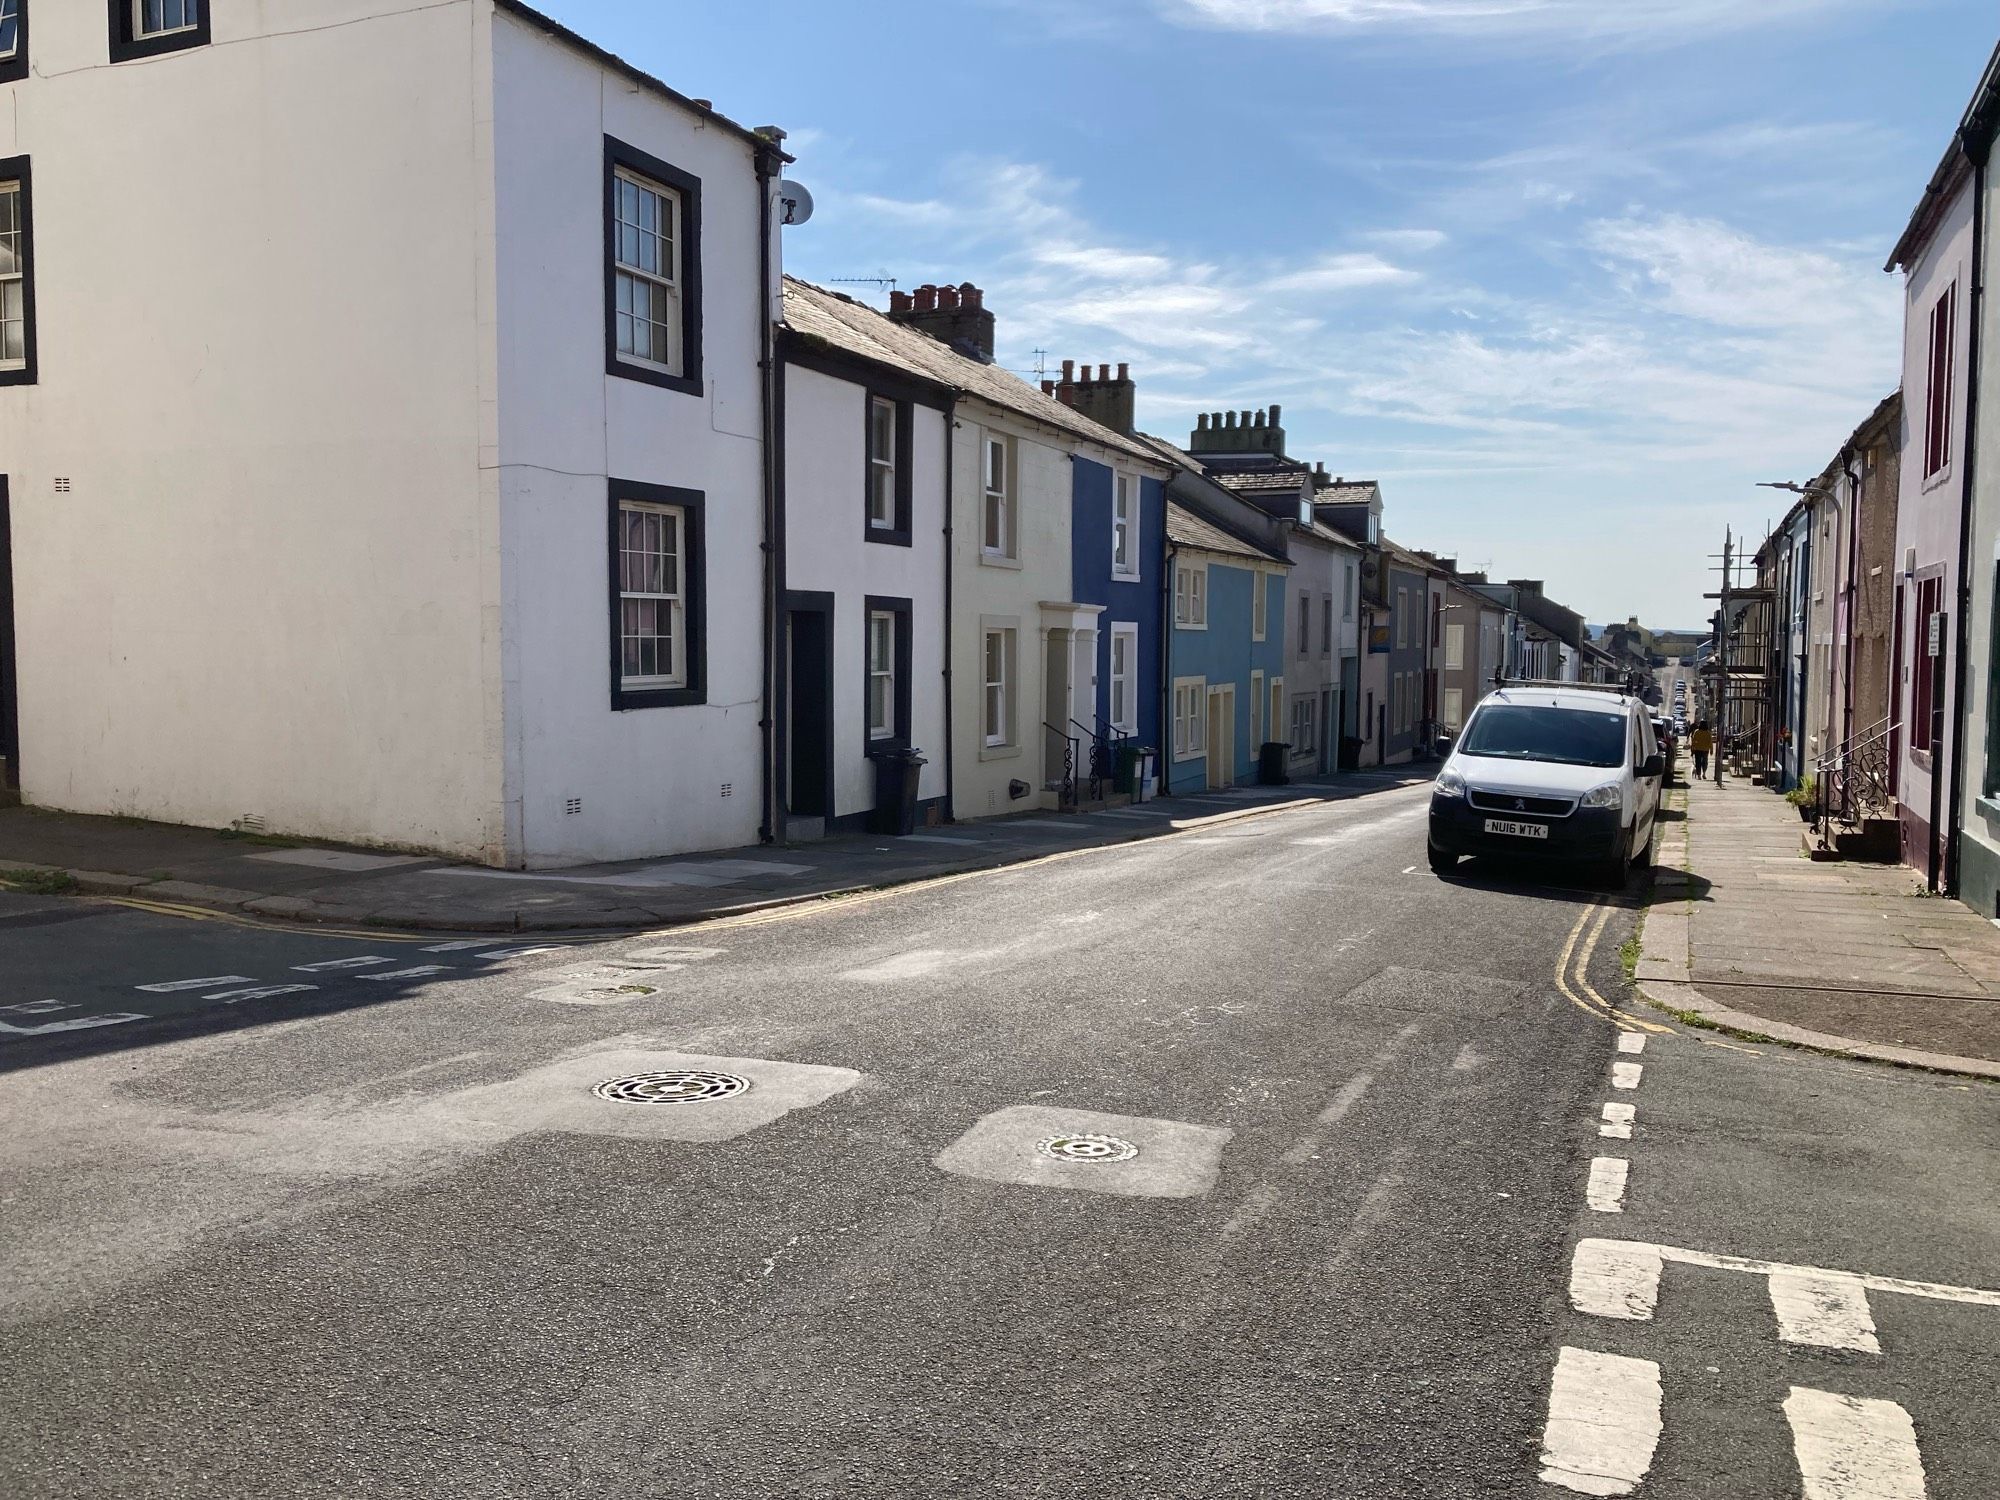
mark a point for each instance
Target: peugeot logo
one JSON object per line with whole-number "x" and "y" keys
{"x": 1520, "y": 805}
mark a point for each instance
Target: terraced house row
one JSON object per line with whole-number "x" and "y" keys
{"x": 458, "y": 469}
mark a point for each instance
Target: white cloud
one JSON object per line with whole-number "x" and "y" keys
{"x": 1411, "y": 241}
{"x": 1626, "y": 22}
{"x": 1339, "y": 273}
{"x": 1706, "y": 270}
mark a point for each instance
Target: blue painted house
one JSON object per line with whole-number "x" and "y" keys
{"x": 1117, "y": 540}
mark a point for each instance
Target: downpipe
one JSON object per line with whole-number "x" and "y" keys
{"x": 1953, "y": 834}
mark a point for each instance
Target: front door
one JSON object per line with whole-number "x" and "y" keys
{"x": 808, "y": 677}
{"x": 10, "y": 702}
{"x": 1221, "y": 736}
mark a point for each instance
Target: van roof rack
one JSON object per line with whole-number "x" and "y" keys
{"x": 1569, "y": 687}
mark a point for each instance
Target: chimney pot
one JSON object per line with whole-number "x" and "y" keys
{"x": 1201, "y": 421}
{"x": 1048, "y": 387}
{"x": 1231, "y": 422}
{"x": 1069, "y": 371}
{"x": 947, "y": 299}
{"x": 1246, "y": 419}
{"x": 899, "y": 302}
{"x": 969, "y": 295}
{"x": 1261, "y": 418}
{"x": 1274, "y": 414}
{"x": 1124, "y": 370}
{"x": 1104, "y": 372}
{"x": 926, "y": 298}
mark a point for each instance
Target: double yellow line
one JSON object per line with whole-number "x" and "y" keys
{"x": 1573, "y": 973}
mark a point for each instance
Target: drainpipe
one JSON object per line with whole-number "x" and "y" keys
{"x": 950, "y": 501}
{"x": 768, "y": 153}
{"x": 1977, "y": 150}
{"x": 1853, "y": 629}
{"x": 1166, "y": 747}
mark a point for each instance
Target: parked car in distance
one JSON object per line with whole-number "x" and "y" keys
{"x": 1551, "y": 771}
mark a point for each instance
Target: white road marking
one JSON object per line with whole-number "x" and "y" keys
{"x": 515, "y": 952}
{"x": 84, "y": 1023}
{"x": 1606, "y": 1191}
{"x": 1854, "y": 1449}
{"x": 193, "y": 984}
{"x": 1618, "y": 1121}
{"x": 35, "y": 1007}
{"x": 461, "y": 946}
{"x": 326, "y": 964}
{"x": 1604, "y": 1422}
{"x": 413, "y": 973}
{"x": 1621, "y": 1278}
{"x": 1631, "y": 1041}
{"x": 1828, "y": 1312}
{"x": 1625, "y": 1075}
{"x": 1407, "y": 869}
{"x": 1468, "y": 1060}
{"x": 259, "y": 992}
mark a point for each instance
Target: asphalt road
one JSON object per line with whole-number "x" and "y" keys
{"x": 379, "y": 1238}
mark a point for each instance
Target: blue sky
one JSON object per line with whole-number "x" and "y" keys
{"x": 1567, "y": 276}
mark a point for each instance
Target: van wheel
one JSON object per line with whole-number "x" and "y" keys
{"x": 1644, "y": 858}
{"x": 1441, "y": 862}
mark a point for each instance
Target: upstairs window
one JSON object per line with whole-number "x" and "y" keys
{"x": 1305, "y": 623}
{"x": 1347, "y": 593}
{"x": 1124, "y": 526}
{"x": 17, "y": 280}
{"x": 996, "y": 534}
{"x": 1937, "y": 403}
{"x": 147, "y": 28}
{"x": 1260, "y": 604}
{"x": 881, "y": 463}
{"x": 652, "y": 276}
{"x": 13, "y": 40}
{"x": 1326, "y": 626}
{"x": 1191, "y": 596}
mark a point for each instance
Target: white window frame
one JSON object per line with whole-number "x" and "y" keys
{"x": 1402, "y": 619}
{"x": 1257, "y": 735}
{"x": 996, "y": 503}
{"x": 1125, "y": 512}
{"x": 14, "y": 283}
{"x": 666, "y": 282}
{"x": 1190, "y": 718}
{"x": 1260, "y": 605}
{"x": 1191, "y": 596}
{"x": 1305, "y": 716}
{"x": 1348, "y": 592}
{"x": 190, "y": 18}
{"x": 881, "y": 464}
{"x": 1124, "y": 701}
{"x": 1453, "y": 708}
{"x": 996, "y": 694}
{"x": 13, "y": 48}
{"x": 881, "y": 674}
{"x": 675, "y": 599}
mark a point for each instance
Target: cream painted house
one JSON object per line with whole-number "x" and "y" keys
{"x": 433, "y": 509}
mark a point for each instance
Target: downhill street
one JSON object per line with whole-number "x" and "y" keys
{"x": 379, "y": 1238}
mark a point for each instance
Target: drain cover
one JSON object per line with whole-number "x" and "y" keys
{"x": 676, "y": 1086}
{"x": 1087, "y": 1148}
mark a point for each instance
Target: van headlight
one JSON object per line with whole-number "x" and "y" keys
{"x": 1611, "y": 794}
{"x": 1448, "y": 784}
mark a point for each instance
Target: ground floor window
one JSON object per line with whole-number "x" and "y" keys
{"x": 1454, "y": 707}
{"x": 886, "y": 662}
{"x": 1125, "y": 678}
{"x": 997, "y": 656}
{"x": 656, "y": 596}
{"x": 1276, "y": 721}
{"x": 1190, "y": 717}
{"x": 1923, "y": 666}
{"x": 1305, "y": 725}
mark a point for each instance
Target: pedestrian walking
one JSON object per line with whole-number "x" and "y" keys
{"x": 1702, "y": 742}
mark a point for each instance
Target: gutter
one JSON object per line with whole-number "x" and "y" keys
{"x": 1978, "y": 151}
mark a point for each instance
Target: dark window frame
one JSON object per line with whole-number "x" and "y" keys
{"x": 15, "y": 68}
{"x": 16, "y": 169}
{"x": 694, "y": 587}
{"x": 905, "y": 649}
{"x": 1943, "y": 325}
{"x": 898, "y": 533}
{"x": 128, "y": 46}
{"x": 618, "y": 154}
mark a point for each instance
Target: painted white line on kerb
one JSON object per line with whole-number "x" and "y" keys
{"x": 340, "y": 963}
{"x": 416, "y": 973}
{"x": 1617, "y": 1121}
{"x": 1853, "y": 1449}
{"x": 1828, "y": 1312}
{"x": 1606, "y": 1191}
{"x": 1604, "y": 1422}
{"x": 1625, "y": 1075}
{"x": 194, "y": 984}
{"x": 1631, "y": 1041}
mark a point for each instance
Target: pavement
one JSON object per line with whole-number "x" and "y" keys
{"x": 1406, "y": 1156}
{"x": 306, "y": 881}
{"x": 1748, "y": 933}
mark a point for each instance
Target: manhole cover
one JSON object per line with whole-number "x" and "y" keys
{"x": 1087, "y": 1148}
{"x": 676, "y": 1086}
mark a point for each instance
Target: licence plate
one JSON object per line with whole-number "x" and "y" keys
{"x": 1518, "y": 830}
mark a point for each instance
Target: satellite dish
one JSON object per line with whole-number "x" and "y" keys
{"x": 795, "y": 204}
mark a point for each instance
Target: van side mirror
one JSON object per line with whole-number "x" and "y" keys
{"x": 1655, "y": 765}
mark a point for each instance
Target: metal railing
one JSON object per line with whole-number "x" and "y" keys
{"x": 1853, "y": 779}
{"x": 1069, "y": 757}
{"x": 1104, "y": 741}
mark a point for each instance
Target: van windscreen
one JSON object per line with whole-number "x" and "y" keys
{"x": 1568, "y": 736}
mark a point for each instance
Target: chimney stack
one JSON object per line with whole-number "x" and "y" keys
{"x": 1248, "y": 432}
{"x": 954, "y": 315}
{"x": 1106, "y": 400}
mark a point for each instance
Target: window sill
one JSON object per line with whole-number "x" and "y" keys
{"x": 1989, "y": 809}
{"x": 1118, "y": 577}
{"x": 687, "y": 385}
{"x": 624, "y": 698}
{"x": 998, "y": 560}
{"x": 1196, "y": 625}
{"x": 135, "y": 49}
{"x": 887, "y": 536}
{"x": 1181, "y": 758}
{"x": 999, "y": 752}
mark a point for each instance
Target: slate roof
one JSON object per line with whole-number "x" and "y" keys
{"x": 1348, "y": 492}
{"x": 1186, "y": 529}
{"x": 827, "y": 318}
{"x": 1289, "y": 481}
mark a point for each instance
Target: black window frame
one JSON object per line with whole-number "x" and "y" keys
{"x": 694, "y": 587}
{"x": 904, "y": 612}
{"x": 898, "y": 533}
{"x": 128, "y": 46}
{"x": 16, "y": 169}
{"x": 15, "y": 68}
{"x": 618, "y": 154}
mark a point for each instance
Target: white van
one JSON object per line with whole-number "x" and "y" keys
{"x": 1557, "y": 771}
